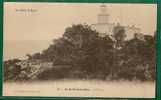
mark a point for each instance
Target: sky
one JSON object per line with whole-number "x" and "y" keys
{"x": 49, "y": 20}
{"x": 31, "y": 27}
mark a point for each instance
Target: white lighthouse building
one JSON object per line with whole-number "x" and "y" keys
{"x": 105, "y": 28}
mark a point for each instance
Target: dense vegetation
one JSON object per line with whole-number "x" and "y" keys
{"x": 82, "y": 54}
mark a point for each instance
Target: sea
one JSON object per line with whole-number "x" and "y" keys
{"x": 19, "y": 48}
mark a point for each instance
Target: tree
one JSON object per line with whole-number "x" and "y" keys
{"x": 11, "y": 70}
{"x": 36, "y": 56}
{"x": 29, "y": 57}
{"x": 81, "y": 53}
{"x": 119, "y": 35}
{"x": 139, "y": 59}
{"x": 82, "y": 48}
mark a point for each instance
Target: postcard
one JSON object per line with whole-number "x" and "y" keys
{"x": 79, "y": 50}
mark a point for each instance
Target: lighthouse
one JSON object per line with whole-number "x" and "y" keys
{"x": 105, "y": 27}
{"x": 103, "y": 16}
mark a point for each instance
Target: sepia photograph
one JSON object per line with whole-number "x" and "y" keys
{"x": 105, "y": 50}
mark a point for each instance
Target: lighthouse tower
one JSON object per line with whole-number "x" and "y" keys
{"x": 103, "y": 26}
{"x": 103, "y": 16}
